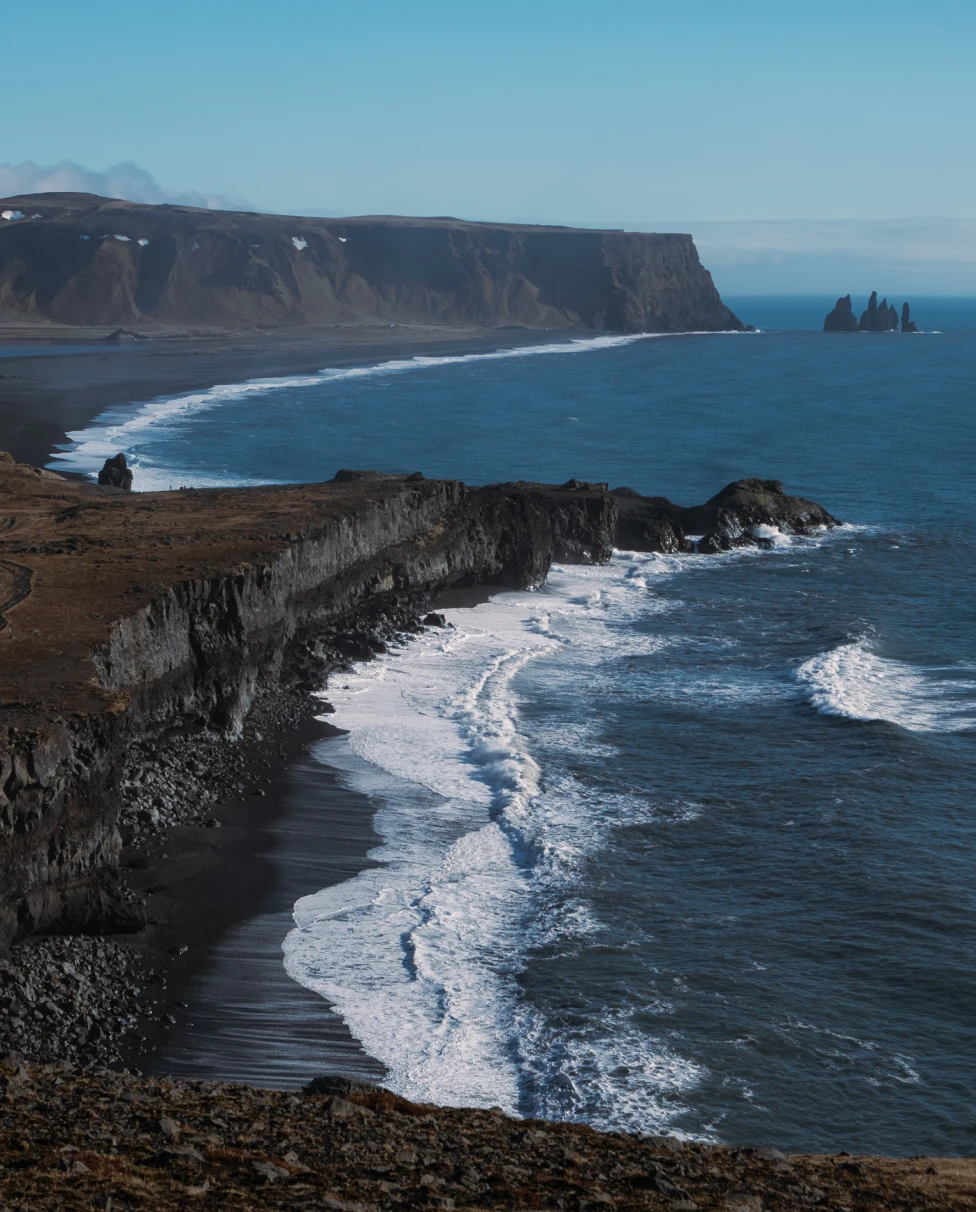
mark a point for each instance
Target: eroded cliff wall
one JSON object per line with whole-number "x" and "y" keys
{"x": 79, "y": 259}
{"x": 124, "y": 616}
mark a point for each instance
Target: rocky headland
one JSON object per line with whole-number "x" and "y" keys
{"x": 78, "y": 259}
{"x": 148, "y": 640}
{"x": 746, "y": 513}
{"x": 876, "y": 317}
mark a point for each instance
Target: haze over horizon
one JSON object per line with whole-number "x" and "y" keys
{"x": 802, "y": 149}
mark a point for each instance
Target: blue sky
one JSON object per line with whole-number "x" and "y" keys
{"x": 620, "y": 113}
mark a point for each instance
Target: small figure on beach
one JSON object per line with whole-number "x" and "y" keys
{"x": 116, "y": 473}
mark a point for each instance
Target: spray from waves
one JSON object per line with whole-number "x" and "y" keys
{"x": 480, "y": 863}
{"x": 855, "y": 683}
{"x": 128, "y": 428}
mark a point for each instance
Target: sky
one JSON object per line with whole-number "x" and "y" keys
{"x": 629, "y": 113}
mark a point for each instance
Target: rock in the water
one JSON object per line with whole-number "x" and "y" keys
{"x": 842, "y": 318}
{"x": 116, "y": 473}
{"x": 122, "y": 336}
{"x": 734, "y": 517}
{"x": 907, "y": 323}
{"x": 871, "y": 320}
{"x": 878, "y": 317}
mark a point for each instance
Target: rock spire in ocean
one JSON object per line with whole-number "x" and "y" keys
{"x": 842, "y": 318}
{"x": 877, "y": 317}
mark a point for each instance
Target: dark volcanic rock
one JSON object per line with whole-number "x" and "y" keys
{"x": 878, "y": 317}
{"x": 842, "y": 318}
{"x": 122, "y": 336}
{"x": 116, "y": 473}
{"x": 871, "y": 320}
{"x": 730, "y": 519}
{"x": 90, "y": 260}
{"x": 907, "y": 323}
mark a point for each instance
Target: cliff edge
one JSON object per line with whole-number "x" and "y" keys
{"x": 130, "y": 617}
{"x": 81, "y": 259}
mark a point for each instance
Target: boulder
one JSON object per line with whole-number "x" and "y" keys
{"x": 842, "y": 318}
{"x": 116, "y": 473}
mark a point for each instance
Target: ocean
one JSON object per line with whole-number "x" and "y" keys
{"x": 684, "y": 843}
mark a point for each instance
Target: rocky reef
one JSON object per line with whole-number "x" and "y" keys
{"x": 746, "y": 513}
{"x": 81, "y": 259}
{"x": 877, "y": 317}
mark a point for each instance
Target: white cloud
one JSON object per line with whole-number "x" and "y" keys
{"x": 127, "y": 181}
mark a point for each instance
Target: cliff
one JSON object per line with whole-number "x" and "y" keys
{"x": 81, "y": 259}
{"x": 125, "y": 617}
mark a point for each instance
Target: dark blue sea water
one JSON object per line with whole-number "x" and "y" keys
{"x": 684, "y": 843}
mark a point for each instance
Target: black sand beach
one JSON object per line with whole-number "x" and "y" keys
{"x": 44, "y": 395}
{"x": 219, "y": 915}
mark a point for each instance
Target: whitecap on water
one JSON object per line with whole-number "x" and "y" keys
{"x": 853, "y": 682}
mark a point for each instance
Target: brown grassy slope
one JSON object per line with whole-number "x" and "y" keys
{"x": 70, "y": 1141}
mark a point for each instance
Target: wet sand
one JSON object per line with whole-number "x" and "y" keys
{"x": 220, "y": 905}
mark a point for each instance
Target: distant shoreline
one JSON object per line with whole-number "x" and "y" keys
{"x": 43, "y": 396}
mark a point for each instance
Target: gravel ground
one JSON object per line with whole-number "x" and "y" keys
{"x": 73, "y": 999}
{"x": 112, "y": 1141}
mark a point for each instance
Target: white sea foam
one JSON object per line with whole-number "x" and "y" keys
{"x": 127, "y": 428}
{"x": 853, "y": 682}
{"x": 480, "y": 859}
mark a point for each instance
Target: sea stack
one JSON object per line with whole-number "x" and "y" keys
{"x": 877, "y": 317}
{"x": 907, "y": 324}
{"x": 842, "y": 318}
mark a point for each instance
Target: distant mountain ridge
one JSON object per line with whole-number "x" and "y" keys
{"x": 82, "y": 259}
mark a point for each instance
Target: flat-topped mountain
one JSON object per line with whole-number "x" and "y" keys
{"x": 81, "y": 259}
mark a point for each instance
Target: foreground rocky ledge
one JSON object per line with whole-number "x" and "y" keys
{"x": 112, "y": 1141}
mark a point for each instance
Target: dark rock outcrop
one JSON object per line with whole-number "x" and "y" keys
{"x": 907, "y": 323}
{"x": 871, "y": 319}
{"x": 146, "y": 613}
{"x": 877, "y": 317}
{"x": 842, "y": 318}
{"x": 80, "y": 259}
{"x": 116, "y": 473}
{"x": 732, "y": 518}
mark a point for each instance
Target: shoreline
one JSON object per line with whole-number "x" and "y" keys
{"x": 44, "y": 396}
{"x": 233, "y": 893}
{"x": 227, "y": 897}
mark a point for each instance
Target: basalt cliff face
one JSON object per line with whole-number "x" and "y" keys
{"x": 81, "y": 259}
{"x": 124, "y": 617}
